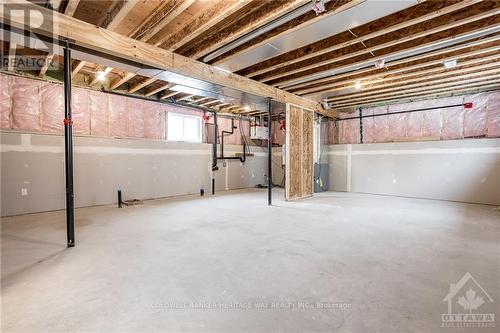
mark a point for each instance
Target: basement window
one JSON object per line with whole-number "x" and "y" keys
{"x": 182, "y": 127}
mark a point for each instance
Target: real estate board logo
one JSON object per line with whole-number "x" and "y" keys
{"x": 469, "y": 305}
{"x": 19, "y": 28}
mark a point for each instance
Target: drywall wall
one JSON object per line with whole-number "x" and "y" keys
{"x": 141, "y": 168}
{"x": 458, "y": 170}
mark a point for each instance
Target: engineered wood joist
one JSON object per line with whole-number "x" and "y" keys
{"x": 332, "y": 8}
{"x": 122, "y": 79}
{"x": 157, "y": 90}
{"x": 431, "y": 86}
{"x": 429, "y": 93}
{"x": 469, "y": 48}
{"x": 419, "y": 13}
{"x": 219, "y": 10}
{"x": 165, "y": 13}
{"x": 102, "y": 40}
{"x": 255, "y": 18}
{"x": 387, "y": 44}
{"x": 428, "y": 74}
{"x": 430, "y": 41}
{"x": 381, "y": 74}
{"x": 141, "y": 84}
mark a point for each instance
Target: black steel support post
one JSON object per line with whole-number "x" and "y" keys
{"x": 269, "y": 154}
{"x": 360, "y": 125}
{"x": 68, "y": 148}
{"x": 214, "y": 153}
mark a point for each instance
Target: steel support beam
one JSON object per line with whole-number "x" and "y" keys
{"x": 68, "y": 148}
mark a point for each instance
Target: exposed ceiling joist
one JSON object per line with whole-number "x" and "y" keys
{"x": 427, "y": 93}
{"x": 451, "y": 51}
{"x": 157, "y": 90}
{"x": 219, "y": 10}
{"x": 431, "y": 85}
{"x": 339, "y": 41}
{"x": 264, "y": 14}
{"x": 187, "y": 97}
{"x": 46, "y": 65}
{"x": 141, "y": 84}
{"x": 170, "y": 94}
{"x": 123, "y": 78}
{"x": 71, "y": 7}
{"x": 322, "y": 66}
{"x": 163, "y": 15}
{"x": 78, "y": 67}
{"x": 116, "y": 13}
{"x": 333, "y": 7}
{"x": 380, "y": 76}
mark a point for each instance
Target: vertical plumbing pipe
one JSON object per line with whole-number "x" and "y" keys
{"x": 68, "y": 148}
{"x": 269, "y": 153}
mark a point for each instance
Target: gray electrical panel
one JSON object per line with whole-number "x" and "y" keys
{"x": 320, "y": 177}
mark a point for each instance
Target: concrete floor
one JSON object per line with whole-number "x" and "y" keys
{"x": 388, "y": 260}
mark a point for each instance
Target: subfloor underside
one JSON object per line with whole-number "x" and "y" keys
{"x": 338, "y": 262}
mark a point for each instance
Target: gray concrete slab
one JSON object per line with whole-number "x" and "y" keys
{"x": 180, "y": 264}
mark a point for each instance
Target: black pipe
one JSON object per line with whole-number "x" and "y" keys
{"x": 360, "y": 125}
{"x": 269, "y": 154}
{"x": 119, "y": 198}
{"x": 68, "y": 148}
{"x": 222, "y": 136}
{"x": 399, "y": 112}
{"x": 213, "y": 185}
{"x": 222, "y": 157}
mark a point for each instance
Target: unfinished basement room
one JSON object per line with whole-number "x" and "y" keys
{"x": 231, "y": 166}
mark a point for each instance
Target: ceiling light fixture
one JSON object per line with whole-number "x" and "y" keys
{"x": 358, "y": 85}
{"x": 448, "y": 64}
{"x": 101, "y": 75}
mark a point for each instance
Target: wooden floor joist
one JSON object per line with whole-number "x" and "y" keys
{"x": 317, "y": 67}
{"x": 344, "y": 39}
{"x": 332, "y": 8}
{"x": 122, "y": 79}
{"x": 262, "y": 15}
{"x": 141, "y": 84}
{"x": 428, "y": 74}
{"x": 349, "y": 63}
{"x": 157, "y": 90}
{"x": 420, "y": 60}
{"x": 431, "y": 86}
{"x": 430, "y": 93}
{"x": 387, "y": 72}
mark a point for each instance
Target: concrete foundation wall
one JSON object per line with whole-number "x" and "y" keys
{"x": 142, "y": 169}
{"x": 458, "y": 170}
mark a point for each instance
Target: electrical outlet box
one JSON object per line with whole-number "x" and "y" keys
{"x": 24, "y": 192}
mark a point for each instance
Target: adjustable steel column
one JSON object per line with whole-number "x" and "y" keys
{"x": 269, "y": 154}
{"x": 68, "y": 148}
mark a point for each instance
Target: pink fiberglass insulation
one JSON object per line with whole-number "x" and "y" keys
{"x": 152, "y": 120}
{"x": 350, "y": 131}
{"x": 52, "y": 115}
{"x": 476, "y": 118}
{"x": 368, "y": 126}
{"x": 80, "y": 111}
{"x": 494, "y": 114}
{"x": 99, "y": 113}
{"x": 135, "y": 109}
{"x": 118, "y": 116}
{"x": 277, "y": 133}
{"x": 380, "y": 125}
{"x": 5, "y": 102}
{"x": 431, "y": 124}
{"x": 414, "y": 124}
{"x": 25, "y": 104}
{"x": 453, "y": 119}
